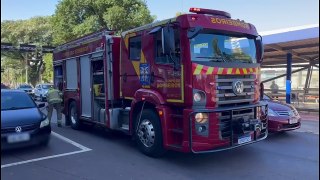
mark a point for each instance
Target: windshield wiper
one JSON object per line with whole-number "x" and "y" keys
{"x": 212, "y": 58}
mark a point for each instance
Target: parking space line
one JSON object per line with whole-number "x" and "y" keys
{"x": 83, "y": 149}
{"x": 70, "y": 141}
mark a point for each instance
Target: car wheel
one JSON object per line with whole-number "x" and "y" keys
{"x": 148, "y": 134}
{"x": 73, "y": 116}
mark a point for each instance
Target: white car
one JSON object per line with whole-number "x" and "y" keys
{"x": 41, "y": 90}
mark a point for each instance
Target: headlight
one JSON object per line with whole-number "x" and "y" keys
{"x": 271, "y": 112}
{"x": 199, "y": 96}
{"x": 44, "y": 123}
{"x": 202, "y": 118}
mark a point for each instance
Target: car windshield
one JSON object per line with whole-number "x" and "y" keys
{"x": 16, "y": 100}
{"x": 25, "y": 86}
{"x": 47, "y": 86}
{"x": 209, "y": 46}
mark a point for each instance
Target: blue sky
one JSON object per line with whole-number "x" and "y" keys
{"x": 264, "y": 14}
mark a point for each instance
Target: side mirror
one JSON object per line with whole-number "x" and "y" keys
{"x": 168, "y": 45}
{"x": 260, "y": 49}
{"x": 261, "y": 91}
{"x": 41, "y": 105}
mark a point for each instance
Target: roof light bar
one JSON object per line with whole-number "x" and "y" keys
{"x": 209, "y": 11}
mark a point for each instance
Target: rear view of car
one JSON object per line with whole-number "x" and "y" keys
{"x": 27, "y": 88}
{"x": 22, "y": 123}
{"x": 281, "y": 116}
{"x": 41, "y": 91}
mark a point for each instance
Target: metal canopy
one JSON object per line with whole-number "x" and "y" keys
{"x": 302, "y": 42}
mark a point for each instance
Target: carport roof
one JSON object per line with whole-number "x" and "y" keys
{"x": 302, "y": 42}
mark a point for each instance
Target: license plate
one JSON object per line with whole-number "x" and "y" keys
{"x": 244, "y": 139}
{"x": 293, "y": 120}
{"x": 15, "y": 138}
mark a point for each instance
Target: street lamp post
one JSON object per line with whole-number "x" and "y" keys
{"x": 26, "y": 74}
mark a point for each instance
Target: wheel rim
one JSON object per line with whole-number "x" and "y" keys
{"x": 73, "y": 115}
{"x": 146, "y": 133}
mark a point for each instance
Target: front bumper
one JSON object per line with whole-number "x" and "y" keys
{"x": 214, "y": 143}
{"x": 279, "y": 124}
{"x": 37, "y": 136}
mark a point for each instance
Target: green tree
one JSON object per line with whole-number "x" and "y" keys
{"x": 47, "y": 75}
{"x": 74, "y": 18}
{"x": 37, "y": 31}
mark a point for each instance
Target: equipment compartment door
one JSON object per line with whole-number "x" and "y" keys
{"x": 86, "y": 95}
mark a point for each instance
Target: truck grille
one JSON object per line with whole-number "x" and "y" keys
{"x": 238, "y": 117}
{"x": 288, "y": 113}
{"x": 225, "y": 95}
{"x": 283, "y": 113}
{"x": 24, "y": 128}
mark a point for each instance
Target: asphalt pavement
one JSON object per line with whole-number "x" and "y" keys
{"x": 98, "y": 154}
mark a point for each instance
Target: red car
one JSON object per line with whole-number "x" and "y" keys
{"x": 281, "y": 116}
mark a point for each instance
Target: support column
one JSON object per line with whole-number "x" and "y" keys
{"x": 26, "y": 68}
{"x": 288, "y": 82}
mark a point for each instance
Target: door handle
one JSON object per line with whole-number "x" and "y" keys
{"x": 124, "y": 77}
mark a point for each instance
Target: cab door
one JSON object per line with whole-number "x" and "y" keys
{"x": 167, "y": 71}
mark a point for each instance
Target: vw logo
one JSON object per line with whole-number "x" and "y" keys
{"x": 237, "y": 87}
{"x": 18, "y": 129}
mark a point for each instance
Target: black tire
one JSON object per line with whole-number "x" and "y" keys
{"x": 156, "y": 149}
{"x": 73, "y": 116}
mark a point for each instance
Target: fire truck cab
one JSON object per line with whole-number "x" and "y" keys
{"x": 189, "y": 84}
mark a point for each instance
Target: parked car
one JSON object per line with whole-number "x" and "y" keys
{"x": 22, "y": 122}
{"x": 41, "y": 90}
{"x": 281, "y": 116}
{"x": 27, "y": 88}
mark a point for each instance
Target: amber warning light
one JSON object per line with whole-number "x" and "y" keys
{"x": 209, "y": 11}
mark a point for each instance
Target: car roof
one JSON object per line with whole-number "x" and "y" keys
{"x": 12, "y": 90}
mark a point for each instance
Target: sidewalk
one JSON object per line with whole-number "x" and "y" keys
{"x": 308, "y": 116}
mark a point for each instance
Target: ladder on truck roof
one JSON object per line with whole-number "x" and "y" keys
{"x": 83, "y": 40}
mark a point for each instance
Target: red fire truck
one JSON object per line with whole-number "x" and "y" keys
{"x": 189, "y": 84}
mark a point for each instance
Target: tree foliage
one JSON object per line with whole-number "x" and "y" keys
{"x": 74, "y": 18}
{"x": 37, "y": 31}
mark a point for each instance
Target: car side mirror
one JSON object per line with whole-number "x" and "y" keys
{"x": 41, "y": 105}
{"x": 261, "y": 90}
{"x": 260, "y": 49}
{"x": 168, "y": 40}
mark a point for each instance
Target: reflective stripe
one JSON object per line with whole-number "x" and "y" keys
{"x": 54, "y": 96}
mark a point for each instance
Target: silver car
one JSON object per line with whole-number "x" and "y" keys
{"x": 27, "y": 88}
{"x": 41, "y": 90}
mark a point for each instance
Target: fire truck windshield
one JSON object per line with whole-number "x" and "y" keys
{"x": 223, "y": 48}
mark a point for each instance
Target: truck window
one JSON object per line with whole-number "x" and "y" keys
{"x": 135, "y": 48}
{"x": 162, "y": 58}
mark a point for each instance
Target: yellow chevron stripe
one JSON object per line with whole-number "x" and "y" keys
{"x": 244, "y": 71}
{"x": 136, "y": 66}
{"x": 220, "y": 70}
{"x": 143, "y": 59}
{"x": 198, "y": 69}
{"x": 238, "y": 71}
{"x": 126, "y": 39}
{"x": 209, "y": 71}
{"x": 229, "y": 71}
